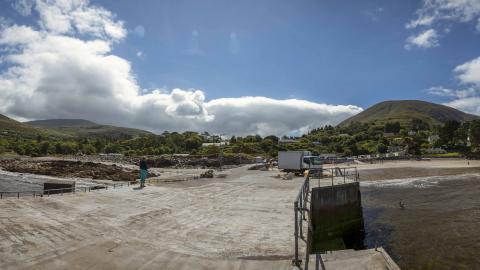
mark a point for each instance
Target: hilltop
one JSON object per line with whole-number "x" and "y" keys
{"x": 86, "y": 128}
{"x": 14, "y": 129}
{"x": 58, "y": 123}
{"x": 404, "y": 111}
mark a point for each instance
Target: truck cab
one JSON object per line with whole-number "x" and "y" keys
{"x": 312, "y": 162}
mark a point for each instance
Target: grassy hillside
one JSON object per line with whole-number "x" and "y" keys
{"x": 85, "y": 128}
{"x": 57, "y": 123}
{"x": 10, "y": 128}
{"x": 404, "y": 111}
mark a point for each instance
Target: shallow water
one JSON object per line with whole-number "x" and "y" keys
{"x": 438, "y": 228}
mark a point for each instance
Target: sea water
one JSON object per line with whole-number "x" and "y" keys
{"x": 425, "y": 223}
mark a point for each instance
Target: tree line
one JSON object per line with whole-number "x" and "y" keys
{"x": 414, "y": 138}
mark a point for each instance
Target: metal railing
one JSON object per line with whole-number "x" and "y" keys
{"x": 301, "y": 208}
{"x": 61, "y": 191}
{"x": 348, "y": 174}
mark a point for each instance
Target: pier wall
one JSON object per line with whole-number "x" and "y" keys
{"x": 337, "y": 218}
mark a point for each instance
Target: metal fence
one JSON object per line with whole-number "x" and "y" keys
{"x": 301, "y": 208}
{"x": 61, "y": 191}
{"x": 300, "y": 211}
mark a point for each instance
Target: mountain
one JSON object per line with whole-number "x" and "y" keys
{"x": 58, "y": 123}
{"x": 10, "y": 128}
{"x": 85, "y": 128}
{"x": 404, "y": 111}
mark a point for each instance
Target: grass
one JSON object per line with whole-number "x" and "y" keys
{"x": 450, "y": 155}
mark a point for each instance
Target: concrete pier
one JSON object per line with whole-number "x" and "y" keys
{"x": 337, "y": 219}
{"x": 242, "y": 221}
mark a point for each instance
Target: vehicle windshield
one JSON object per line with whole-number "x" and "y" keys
{"x": 312, "y": 160}
{"x": 316, "y": 161}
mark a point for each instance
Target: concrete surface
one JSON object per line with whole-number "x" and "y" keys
{"x": 368, "y": 259}
{"x": 241, "y": 222}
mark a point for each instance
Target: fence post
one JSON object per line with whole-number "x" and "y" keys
{"x": 332, "y": 176}
{"x": 18, "y": 195}
{"x": 295, "y": 209}
{"x": 1, "y": 195}
{"x": 300, "y": 221}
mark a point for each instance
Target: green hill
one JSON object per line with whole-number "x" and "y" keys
{"x": 58, "y": 123}
{"x": 85, "y": 128}
{"x": 404, "y": 111}
{"x": 10, "y": 128}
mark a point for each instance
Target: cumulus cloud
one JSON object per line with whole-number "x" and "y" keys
{"x": 74, "y": 16}
{"x": 426, "y": 39}
{"x": 469, "y": 72}
{"x": 53, "y": 73}
{"x": 24, "y": 7}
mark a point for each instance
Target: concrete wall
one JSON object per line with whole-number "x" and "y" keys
{"x": 337, "y": 217}
{"x": 52, "y": 187}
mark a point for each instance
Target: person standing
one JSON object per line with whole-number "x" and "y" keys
{"x": 143, "y": 172}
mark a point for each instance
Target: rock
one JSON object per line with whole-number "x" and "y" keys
{"x": 207, "y": 174}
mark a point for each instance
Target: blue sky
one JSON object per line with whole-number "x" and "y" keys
{"x": 234, "y": 61}
{"x": 339, "y": 52}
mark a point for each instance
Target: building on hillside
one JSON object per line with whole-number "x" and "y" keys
{"x": 219, "y": 144}
{"x": 433, "y": 138}
{"x": 286, "y": 141}
{"x": 395, "y": 148}
{"x": 412, "y": 133}
{"x": 436, "y": 150}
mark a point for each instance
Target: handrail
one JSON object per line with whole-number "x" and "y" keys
{"x": 48, "y": 192}
{"x": 301, "y": 206}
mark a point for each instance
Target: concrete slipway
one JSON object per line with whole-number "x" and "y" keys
{"x": 243, "y": 221}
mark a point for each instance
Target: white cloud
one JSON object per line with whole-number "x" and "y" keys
{"x": 78, "y": 16}
{"x": 445, "y": 10}
{"x": 426, "y": 39}
{"x": 24, "y": 7}
{"x": 440, "y": 14}
{"x": 247, "y": 115}
{"x": 452, "y": 93}
{"x": 469, "y": 72}
{"x": 470, "y": 105}
{"x": 52, "y": 73}
{"x": 468, "y": 100}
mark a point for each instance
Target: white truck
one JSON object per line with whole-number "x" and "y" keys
{"x": 298, "y": 161}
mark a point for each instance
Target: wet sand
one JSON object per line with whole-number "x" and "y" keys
{"x": 414, "y": 168}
